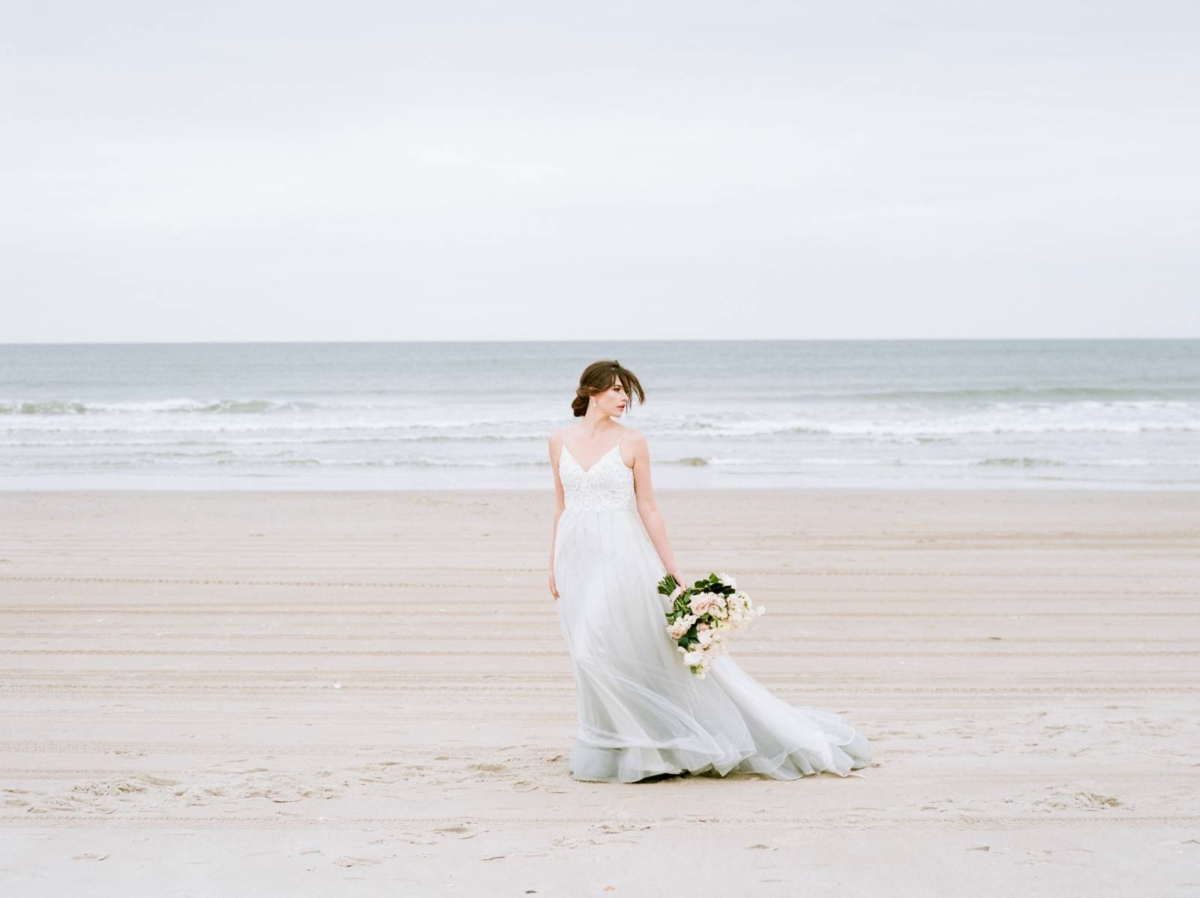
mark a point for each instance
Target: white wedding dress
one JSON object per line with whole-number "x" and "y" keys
{"x": 641, "y": 711}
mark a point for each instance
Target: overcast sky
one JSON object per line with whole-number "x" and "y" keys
{"x": 515, "y": 170}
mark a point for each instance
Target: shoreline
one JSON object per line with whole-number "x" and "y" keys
{"x": 658, "y": 490}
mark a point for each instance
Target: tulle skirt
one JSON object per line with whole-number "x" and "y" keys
{"x": 642, "y": 713}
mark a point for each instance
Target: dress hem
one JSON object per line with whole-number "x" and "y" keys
{"x": 632, "y": 764}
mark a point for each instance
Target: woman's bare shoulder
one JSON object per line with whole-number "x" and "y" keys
{"x": 634, "y": 437}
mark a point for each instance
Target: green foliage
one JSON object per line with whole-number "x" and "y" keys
{"x": 681, "y": 606}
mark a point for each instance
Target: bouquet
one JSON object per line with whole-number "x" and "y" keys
{"x": 701, "y": 616}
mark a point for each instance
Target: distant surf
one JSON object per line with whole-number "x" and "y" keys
{"x": 763, "y": 414}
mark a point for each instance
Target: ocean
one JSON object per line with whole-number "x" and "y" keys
{"x": 1008, "y": 414}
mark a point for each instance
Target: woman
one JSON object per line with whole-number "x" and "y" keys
{"x": 642, "y": 713}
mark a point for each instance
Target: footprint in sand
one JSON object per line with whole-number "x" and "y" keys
{"x": 462, "y": 830}
{"x": 1065, "y": 800}
{"x": 358, "y": 861}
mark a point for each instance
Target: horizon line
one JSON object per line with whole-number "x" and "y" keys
{"x": 604, "y": 340}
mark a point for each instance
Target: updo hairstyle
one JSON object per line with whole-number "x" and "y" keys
{"x": 599, "y": 377}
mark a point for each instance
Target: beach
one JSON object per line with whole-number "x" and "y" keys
{"x": 310, "y": 693}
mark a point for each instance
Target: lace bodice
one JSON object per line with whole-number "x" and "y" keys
{"x": 607, "y": 484}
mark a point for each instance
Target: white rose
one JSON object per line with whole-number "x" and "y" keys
{"x": 678, "y": 628}
{"x": 702, "y": 603}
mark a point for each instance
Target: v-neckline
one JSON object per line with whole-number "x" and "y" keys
{"x": 587, "y": 471}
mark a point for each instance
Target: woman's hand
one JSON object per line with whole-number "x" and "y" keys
{"x": 678, "y": 575}
{"x": 553, "y": 588}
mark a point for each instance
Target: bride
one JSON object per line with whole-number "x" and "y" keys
{"x": 641, "y": 711}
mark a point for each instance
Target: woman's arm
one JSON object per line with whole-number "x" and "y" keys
{"x": 556, "y": 440}
{"x": 646, "y": 505}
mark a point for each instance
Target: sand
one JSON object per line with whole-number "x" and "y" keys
{"x": 367, "y": 693}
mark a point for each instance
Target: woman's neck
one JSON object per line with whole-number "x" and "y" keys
{"x": 590, "y": 426}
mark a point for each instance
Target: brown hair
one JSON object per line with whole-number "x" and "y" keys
{"x": 600, "y": 376}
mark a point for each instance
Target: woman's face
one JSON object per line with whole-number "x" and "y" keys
{"x": 612, "y": 401}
